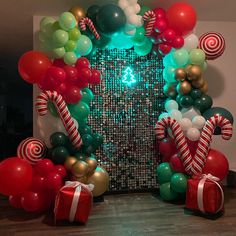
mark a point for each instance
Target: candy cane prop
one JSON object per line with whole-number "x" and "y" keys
{"x": 86, "y": 21}
{"x": 68, "y": 122}
{"x": 150, "y": 18}
{"x": 206, "y": 137}
{"x": 179, "y": 138}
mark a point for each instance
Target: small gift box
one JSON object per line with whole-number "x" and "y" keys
{"x": 205, "y": 194}
{"x": 74, "y": 202}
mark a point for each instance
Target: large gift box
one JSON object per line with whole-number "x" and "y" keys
{"x": 74, "y": 202}
{"x": 205, "y": 194}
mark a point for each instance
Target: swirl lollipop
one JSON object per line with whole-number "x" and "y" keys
{"x": 31, "y": 150}
{"x": 213, "y": 44}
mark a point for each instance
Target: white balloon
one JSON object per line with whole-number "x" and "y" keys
{"x": 163, "y": 115}
{"x": 123, "y": 4}
{"x": 135, "y": 20}
{"x": 129, "y": 11}
{"x": 171, "y": 105}
{"x": 191, "y": 42}
{"x": 198, "y": 122}
{"x": 185, "y": 124}
{"x": 139, "y": 21}
{"x": 132, "y": 2}
{"x": 137, "y": 8}
{"x": 193, "y": 134}
{"x": 175, "y": 114}
{"x": 190, "y": 112}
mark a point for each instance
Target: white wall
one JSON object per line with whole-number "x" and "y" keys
{"x": 221, "y": 76}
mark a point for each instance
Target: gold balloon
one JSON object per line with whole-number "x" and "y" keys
{"x": 184, "y": 87}
{"x": 170, "y": 90}
{"x": 83, "y": 179}
{"x": 188, "y": 67}
{"x": 80, "y": 169}
{"x": 194, "y": 72}
{"x": 70, "y": 161}
{"x": 198, "y": 83}
{"x": 180, "y": 74}
{"x": 78, "y": 13}
{"x": 92, "y": 164}
{"x": 204, "y": 88}
{"x": 100, "y": 180}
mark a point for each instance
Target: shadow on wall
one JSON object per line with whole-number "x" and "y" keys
{"x": 216, "y": 81}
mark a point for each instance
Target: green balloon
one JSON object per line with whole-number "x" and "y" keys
{"x": 58, "y": 139}
{"x": 110, "y": 18}
{"x": 164, "y": 173}
{"x": 79, "y": 111}
{"x": 178, "y": 183}
{"x": 143, "y": 10}
{"x": 46, "y": 26}
{"x": 92, "y": 12}
{"x": 60, "y": 38}
{"x": 87, "y": 95}
{"x": 199, "y": 104}
{"x": 56, "y": 26}
{"x": 80, "y": 156}
{"x": 102, "y": 42}
{"x": 70, "y": 46}
{"x": 197, "y": 57}
{"x": 87, "y": 139}
{"x": 89, "y": 150}
{"x": 195, "y": 93}
{"x": 144, "y": 49}
{"x": 59, "y": 155}
{"x": 70, "y": 58}
{"x": 178, "y": 97}
{"x": 98, "y": 139}
{"x": 74, "y": 34}
{"x": 84, "y": 46}
{"x": 167, "y": 193}
{"x": 85, "y": 130}
{"x": 52, "y": 109}
{"x": 67, "y": 21}
{"x": 58, "y": 52}
{"x": 139, "y": 37}
{"x": 186, "y": 101}
{"x": 206, "y": 101}
{"x": 180, "y": 57}
{"x": 82, "y": 122}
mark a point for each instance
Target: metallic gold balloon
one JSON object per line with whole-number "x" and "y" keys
{"x": 70, "y": 161}
{"x": 78, "y": 12}
{"x": 80, "y": 169}
{"x": 204, "y": 88}
{"x": 100, "y": 180}
{"x": 188, "y": 67}
{"x": 170, "y": 90}
{"x": 198, "y": 83}
{"x": 184, "y": 87}
{"x": 180, "y": 74}
{"x": 194, "y": 72}
{"x": 92, "y": 164}
{"x": 83, "y": 179}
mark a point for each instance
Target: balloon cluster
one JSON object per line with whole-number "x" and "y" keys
{"x": 32, "y": 188}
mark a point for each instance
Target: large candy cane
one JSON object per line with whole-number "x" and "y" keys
{"x": 206, "y": 137}
{"x": 179, "y": 138}
{"x": 68, "y": 122}
{"x": 150, "y": 18}
{"x": 86, "y": 21}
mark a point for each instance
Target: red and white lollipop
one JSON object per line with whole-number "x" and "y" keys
{"x": 31, "y": 150}
{"x": 213, "y": 44}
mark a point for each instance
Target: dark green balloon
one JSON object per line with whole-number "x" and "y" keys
{"x": 87, "y": 139}
{"x": 218, "y": 111}
{"x": 199, "y": 104}
{"x": 195, "y": 93}
{"x": 102, "y": 42}
{"x": 97, "y": 139}
{"x": 52, "y": 109}
{"x": 89, "y": 150}
{"x": 85, "y": 130}
{"x": 87, "y": 95}
{"x": 110, "y": 18}
{"x": 186, "y": 101}
{"x": 178, "y": 97}
{"x": 58, "y": 139}
{"x": 92, "y": 12}
{"x": 207, "y": 101}
{"x": 167, "y": 193}
{"x": 178, "y": 183}
{"x": 79, "y": 111}
{"x": 59, "y": 155}
{"x": 80, "y": 156}
{"x": 164, "y": 173}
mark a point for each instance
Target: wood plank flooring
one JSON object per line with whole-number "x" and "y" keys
{"x": 139, "y": 214}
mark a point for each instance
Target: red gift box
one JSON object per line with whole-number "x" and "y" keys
{"x": 74, "y": 202}
{"x": 204, "y": 194}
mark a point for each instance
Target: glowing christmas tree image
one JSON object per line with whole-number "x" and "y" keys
{"x": 128, "y": 77}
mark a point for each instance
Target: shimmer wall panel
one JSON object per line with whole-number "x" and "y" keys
{"x": 126, "y": 106}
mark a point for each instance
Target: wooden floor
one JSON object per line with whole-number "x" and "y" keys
{"x": 124, "y": 214}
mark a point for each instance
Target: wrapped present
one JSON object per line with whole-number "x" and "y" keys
{"x": 74, "y": 202}
{"x": 205, "y": 194}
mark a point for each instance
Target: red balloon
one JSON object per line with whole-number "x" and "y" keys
{"x": 54, "y": 181}
{"x": 72, "y": 94}
{"x": 192, "y": 146}
{"x": 33, "y": 66}
{"x": 32, "y": 201}
{"x": 60, "y": 169}
{"x": 164, "y": 48}
{"x": 85, "y": 74}
{"x": 216, "y": 164}
{"x": 57, "y": 75}
{"x": 44, "y": 167}
{"x": 178, "y": 42}
{"x": 181, "y": 18}
{"x": 15, "y": 201}
{"x": 176, "y": 164}
{"x": 167, "y": 148}
{"x": 160, "y": 13}
{"x": 71, "y": 74}
{"x": 15, "y": 176}
{"x": 59, "y": 63}
{"x": 61, "y": 89}
{"x": 38, "y": 183}
{"x": 168, "y": 35}
{"x": 95, "y": 78}
{"x": 160, "y": 25}
{"x": 81, "y": 63}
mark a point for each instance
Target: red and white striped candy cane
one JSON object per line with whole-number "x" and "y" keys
{"x": 68, "y": 122}
{"x": 206, "y": 137}
{"x": 179, "y": 138}
{"x": 86, "y": 21}
{"x": 150, "y": 18}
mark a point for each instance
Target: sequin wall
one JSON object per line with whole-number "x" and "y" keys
{"x": 125, "y": 109}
